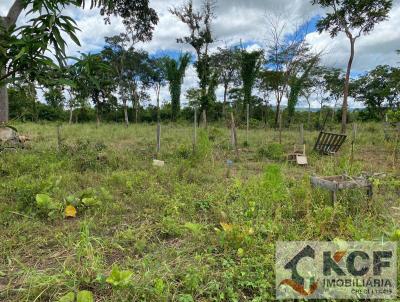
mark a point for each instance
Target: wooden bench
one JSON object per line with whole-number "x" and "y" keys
{"x": 341, "y": 182}
{"x": 329, "y": 143}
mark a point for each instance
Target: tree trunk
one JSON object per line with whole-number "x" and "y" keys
{"x": 265, "y": 118}
{"x": 97, "y": 117}
{"x": 7, "y": 22}
{"x": 225, "y": 99}
{"x": 97, "y": 113}
{"x": 205, "y": 119}
{"x": 346, "y": 85}
{"x": 3, "y": 103}
{"x": 278, "y": 108}
{"x": 309, "y": 115}
{"x": 126, "y": 113}
{"x": 71, "y": 111}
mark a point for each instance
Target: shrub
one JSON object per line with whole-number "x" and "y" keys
{"x": 273, "y": 151}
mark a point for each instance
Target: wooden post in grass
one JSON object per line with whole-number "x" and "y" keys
{"x": 158, "y": 138}
{"x": 195, "y": 130}
{"x": 353, "y": 141}
{"x": 247, "y": 123}
{"x": 234, "y": 135}
{"x": 301, "y": 140}
{"x": 59, "y": 140}
{"x": 280, "y": 126}
{"x": 396, "y": 146}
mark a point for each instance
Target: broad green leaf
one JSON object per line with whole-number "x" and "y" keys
{"x": 84, "y": 296}
{"x": 90, "y": 202}
{"x": 43, "y": 201}
{"x": 70, "y": 297}
{"x": 119, "y": 278}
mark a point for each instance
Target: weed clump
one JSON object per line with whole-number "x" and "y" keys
{"x": 273, "y": 151}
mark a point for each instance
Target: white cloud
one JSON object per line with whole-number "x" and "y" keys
{"x": 377, "y": 48}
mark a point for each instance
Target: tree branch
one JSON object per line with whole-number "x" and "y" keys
{"x": 14, "y": 13}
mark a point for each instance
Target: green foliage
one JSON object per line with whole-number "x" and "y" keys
{"x": 361, "y": 16}
{"x": 119, "y": 278}
{"x": 394, "y": 116}
{"x": 47, "y": 205}
{"x": 185, "y": 232}
{"x": 250, "y": 63}
{"x": 70, "y": 297}
{"x": 378, "y": 90}
{"x": 273, "y": 151}
{"x": 175, "y": 73}
{"x": 203, "y": 148}
{"x": 84, "y": 296}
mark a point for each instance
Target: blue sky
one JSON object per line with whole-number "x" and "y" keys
{"x": 246, "y": 22}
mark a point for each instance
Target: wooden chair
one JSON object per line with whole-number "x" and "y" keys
{"x": 298, "y": 156}
{"x": 329, "y": 143}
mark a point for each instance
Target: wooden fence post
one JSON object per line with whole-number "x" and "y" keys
{"x": 234, "y": 135}
{"x": 247, "y": 123}
{"x": 158, "y": 138}
{"x": 353, "y": 141}
{"x": 59, "y": 140}
{"x": 280, "y": 127}
{"x": 195, "y": 130}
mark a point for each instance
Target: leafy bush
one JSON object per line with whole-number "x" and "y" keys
{"x": 273, "y": 151}
{"x": 394, "y": 116}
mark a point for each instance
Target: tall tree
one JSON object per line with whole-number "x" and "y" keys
{"x": 285, "y": 56}
{"x": 157, "y": 79}
{"x": 354, "y": 18}
{"x": 378, "y": 90}
{"x": 95, "y": 81}
{"x": 200, "y": 37}
{"x": 297, "y": 84}
{"x": 23, "y": 49}
{"x": 55, "y": 98}
{"x": 175, "y": 73}
{"x": 334, "y": 81}
{"x": 226, "y": 63}
{"x": 250, "y": 63}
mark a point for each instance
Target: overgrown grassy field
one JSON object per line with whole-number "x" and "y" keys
{"x": 188, "y": 231}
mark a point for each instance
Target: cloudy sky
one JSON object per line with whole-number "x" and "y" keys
{"x": 245, "y": 21}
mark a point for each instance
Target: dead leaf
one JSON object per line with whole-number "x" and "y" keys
{"x": 226, "y": 226}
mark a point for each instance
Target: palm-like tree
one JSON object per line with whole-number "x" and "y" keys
{"x": 175, "y": 72}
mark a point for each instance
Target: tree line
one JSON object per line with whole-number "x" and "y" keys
{"x": 115, "y": 83}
